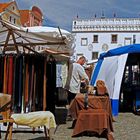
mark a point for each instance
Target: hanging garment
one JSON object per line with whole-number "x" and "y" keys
{"x": 18, "y": 83}
{"x": 39, "y": 62}
{"x": 1, "y": 73}
{"x": 44, "y": 88}
{"x": 5, "y": 75}
{"x": 26, "y": 84}
{"x": 51, "y": 85}
{"x": 10, "y": 75}
{"x": 30, "y": 79}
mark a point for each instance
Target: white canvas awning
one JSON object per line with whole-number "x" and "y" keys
{"x": 32, "y": 37}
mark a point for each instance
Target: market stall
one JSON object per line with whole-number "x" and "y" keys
{"x": 27, "y": 73}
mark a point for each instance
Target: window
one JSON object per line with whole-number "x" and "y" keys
{"x": 94, "y": 55}
{"x": 114, "y": 39}
{"x": 10, "y": 19}
{"x": 127, "y": 41}
{"x": 14, "y": 20}
{"x": 134, "y": 39}
{"x": 95, "y": 38}
{"x": 84, "y": 41}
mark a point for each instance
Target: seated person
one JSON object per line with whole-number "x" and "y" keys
{"x": 101, "y": 89}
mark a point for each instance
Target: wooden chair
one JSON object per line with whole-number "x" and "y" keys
{"x": 5, "y": 112}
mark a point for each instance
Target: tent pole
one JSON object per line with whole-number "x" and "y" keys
{"x": 7, "y": 39}
{"x": 14, "y": 41}
{"x": 6, "y": 42}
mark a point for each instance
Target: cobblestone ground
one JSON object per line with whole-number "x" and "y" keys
{"x": 126, "y": 127}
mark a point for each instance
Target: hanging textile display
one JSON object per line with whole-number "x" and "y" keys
{"x": 1, "y": 72}
{"x": 61, "y": 74}
{"x": 30, "y": 79}
{"x": 51, "y": 83}
{"x": 18, "y": 83}
{"x": 61, "y": 78}
{"x": 10, "y": 75}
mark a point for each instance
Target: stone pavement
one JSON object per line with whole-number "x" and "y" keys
{"x": 126, "y": 127}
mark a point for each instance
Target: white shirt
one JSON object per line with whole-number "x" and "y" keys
{"x": 78, "y": 73}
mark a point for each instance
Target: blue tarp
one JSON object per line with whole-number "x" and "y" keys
{"x": 135, "y": 48}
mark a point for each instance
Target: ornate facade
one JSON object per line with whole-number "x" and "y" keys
{"x": 9, "y": 12}
{"x": 97, "y": 35}
{"x": 32, "y": 17}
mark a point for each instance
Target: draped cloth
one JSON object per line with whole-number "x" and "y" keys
{"x": 96, "y": 120}
{"x": 35, "y": 119}
{"x": 97, "y": 117}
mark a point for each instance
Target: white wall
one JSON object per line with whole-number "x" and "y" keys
{"x": 104, "y": 28}
{"x": 103, "y": 38}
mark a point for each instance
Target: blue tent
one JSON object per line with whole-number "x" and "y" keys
{"x": 110, "y": 68}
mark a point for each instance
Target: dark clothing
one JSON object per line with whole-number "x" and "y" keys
{"x": 71, "y": 96}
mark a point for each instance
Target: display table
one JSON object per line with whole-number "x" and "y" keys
{"x": 97, "y": 118}
{"x": 94, "y": 102}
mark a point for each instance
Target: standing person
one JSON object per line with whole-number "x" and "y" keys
{"x": 75, "y": 76}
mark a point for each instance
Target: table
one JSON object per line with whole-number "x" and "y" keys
{"x": 94, "y": 102}
{"x": 97, "y": 117}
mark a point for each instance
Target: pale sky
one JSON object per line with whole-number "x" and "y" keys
{"x": 62, "y": 12}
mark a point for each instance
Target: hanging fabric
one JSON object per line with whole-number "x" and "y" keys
{"x": 5, "y": 75}
{"x": 30, "y": 79}
{"x": 1, "y": 73}
{"x": 10, "y": 75}
{"x": 18, "y": 87}
{"x": 51, "y": 84}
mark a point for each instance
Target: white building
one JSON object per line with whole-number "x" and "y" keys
{"x": 97, "y": 35}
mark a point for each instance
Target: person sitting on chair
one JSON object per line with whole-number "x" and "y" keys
{"x": 101, "y": 89}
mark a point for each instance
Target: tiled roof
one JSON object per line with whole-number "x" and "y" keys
{"x": 4, "y": 5}
{"x": 24, "y": 16}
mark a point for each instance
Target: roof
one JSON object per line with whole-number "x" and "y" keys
{"x": 24, "y": 16}
{"x": 58, "y": 40}
{"x": 58, "y": 55}
{"x": 3, "y": 6}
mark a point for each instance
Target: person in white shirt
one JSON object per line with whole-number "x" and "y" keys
{"x": 76, "y": 75}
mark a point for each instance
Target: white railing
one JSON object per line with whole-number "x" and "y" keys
{"x": 112, "y": 24}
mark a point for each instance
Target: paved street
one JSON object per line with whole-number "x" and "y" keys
{"x": 126, "y": 127}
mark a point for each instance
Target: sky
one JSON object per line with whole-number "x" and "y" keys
{"x": 62, "y": 12}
